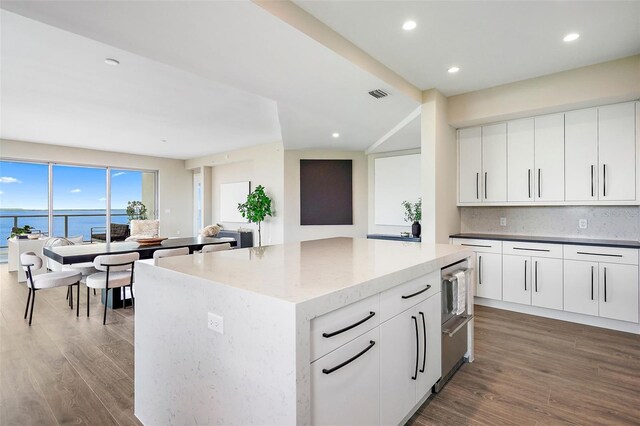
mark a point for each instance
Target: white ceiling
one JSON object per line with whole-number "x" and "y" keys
{"x": 176, "y": 80}
{"x": 493, "y": 42}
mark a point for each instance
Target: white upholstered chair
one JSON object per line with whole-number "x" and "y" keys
{"x": 32, "y": 262}
{"x": 143, "y": 229}
{"x": 216, "y": 247}
{"x": 116, "y": 270}
{"x": 159, "y": 254}
{"x": 85, "y": 268}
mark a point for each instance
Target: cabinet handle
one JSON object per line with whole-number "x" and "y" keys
{"x": 525, "y": 275}
{"x": 592, "y": 194}
{"x": 536, "y": 274}
{"x": 474, "y": 245}
{"x": 539, "y": 183}
{"x": 598, "y": 254}
{"x": 485, "y": 185}
{"x": 529, "y": 182}
{"x": 334, "y": 333}
{"x": 424, "y": 337}
{"x": 409, "y": 296}
{"x": 415, "y": 322}
{"x": 480, "y": 270}
{"x": 350, "y": 360}
{"x": 604, "y": 180}
{"x": 477, "y": 186}
{"x": 530, "y": 249}
{"x": 605, "y": 283}
{"x": 592, "y": 283}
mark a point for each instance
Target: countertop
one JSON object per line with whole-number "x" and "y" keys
{"x": 551, "y": 240}
{"x": 302, "y": 271}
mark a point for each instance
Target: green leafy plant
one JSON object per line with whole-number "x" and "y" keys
{"x": 16, "y": 230}
{"x": 413, "y": 212}
{"x": 256, "y": 209}
{"x": 136, "y": 210}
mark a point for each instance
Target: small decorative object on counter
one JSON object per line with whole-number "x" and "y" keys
{"x": 405, "y": 234}
{"x": 413, "y": 213}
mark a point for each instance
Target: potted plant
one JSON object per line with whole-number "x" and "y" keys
{"x": 413, "y": 214}
{"x": 20, "y": 232}
{"x": 136, "y": 210}
{"x": 256, "y": 209}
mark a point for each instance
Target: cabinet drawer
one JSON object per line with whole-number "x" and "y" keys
{"x": 601, "y": 254}
{"x": 404, "y": 296}
{"x": 334, "y": 329}
{"x": 532, "y": 249}
{"x": 479, "y": 246}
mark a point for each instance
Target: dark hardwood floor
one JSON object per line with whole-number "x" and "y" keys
{"x": 528, "y": 370}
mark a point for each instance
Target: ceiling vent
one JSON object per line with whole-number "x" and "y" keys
{"x": 378, "y": 93}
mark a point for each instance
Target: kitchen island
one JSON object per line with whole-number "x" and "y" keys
{"x": 297, "y": 333}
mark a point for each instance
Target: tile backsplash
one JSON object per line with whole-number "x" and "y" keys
{"x": 606, "y": 222}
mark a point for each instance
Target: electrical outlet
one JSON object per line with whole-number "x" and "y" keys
{"x": 582, "y": 223}
{"x": 503, "y": 221}
{"x": 215, "y": 323}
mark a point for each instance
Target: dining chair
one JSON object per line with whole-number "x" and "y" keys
{"x": 85, "y": 268}
{"x": 116, "y": 270}
{"x": 32, "y": 262}
{"x": 216, "y": 247}
{"x": 159, "y": 254}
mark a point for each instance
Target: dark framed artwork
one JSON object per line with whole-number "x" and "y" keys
{"x": 326, "y": 192}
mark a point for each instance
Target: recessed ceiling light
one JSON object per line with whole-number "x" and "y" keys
{"x": 163, "y": 140}
{"x": 111, "y": 61}
{"x": 409, "y": 25}
{"x": 453, "y": 70}
{"x": 335, "y": 135}
{"x": 571, "y": 37}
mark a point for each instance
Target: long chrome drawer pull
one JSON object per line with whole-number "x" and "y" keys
{"x": 450, "y": 333}
{"x": 367, "y": 318}
{"x": 530, "y": 249}
{"x": 599, "y": 254}
{"x": 350, "y": 360}
{"x": 409, "y": 296}
{"x": 474, "y": 245}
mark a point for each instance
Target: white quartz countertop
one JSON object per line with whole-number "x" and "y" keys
{"x": 302, "y": 271}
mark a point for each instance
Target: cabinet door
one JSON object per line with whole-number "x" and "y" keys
{"x": 470, "y": 164}
{"x": 399, "y": 359}
{"x": 360, "y": 378}
{"x": 546, "y": 283}
{"x": 549, "y": 157}
{"x": 430, "y": 325}
{"x": 489, "y": 275}
{"x": 619, "y": 292}
{"x": 516, "y": 279}
{"x": 581, "y": 155}
{"x": 617, "y": 148}
{"x": 520, "y": 164}
{"x": 494, "y": 163}
{"x": 581, "y": 287}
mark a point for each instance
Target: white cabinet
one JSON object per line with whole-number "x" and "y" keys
{"x": 494, "y": 163}
{"x": 489, "y": 282}
{"x": 470, "y": 164}
{"x": 520, "y": 160}
{"x": 581, "y": 155}
{"x": 356, "y": 367}
{"x": 516, "y": 278}
{"x": 618, "y": 288}
{"x": 617, "y": 152}
{"x": 410, "y": 353}
{"x": 581, "y": 287}
{"x": 549, "y": 157}
{"x": 546, "y": 283}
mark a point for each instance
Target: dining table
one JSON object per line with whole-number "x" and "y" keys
{"x": 81, "y": 253}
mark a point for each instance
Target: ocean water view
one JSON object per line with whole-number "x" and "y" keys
{"x": 78, "y": 221}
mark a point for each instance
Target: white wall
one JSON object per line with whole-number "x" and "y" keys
{"x": 174, "y": 181}
{"x": 293, "y": 231}
{"x": 261, "y": 165}
{"x": 373, "y": 228}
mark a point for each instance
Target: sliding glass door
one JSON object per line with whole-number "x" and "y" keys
{"x": 131, "y": 187}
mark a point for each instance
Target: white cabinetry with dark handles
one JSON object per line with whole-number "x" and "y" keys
{"x": 374, "y": 361}
{"x": 488, "y": 262}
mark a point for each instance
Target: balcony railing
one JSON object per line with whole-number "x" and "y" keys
{"x": 16, "y": 219}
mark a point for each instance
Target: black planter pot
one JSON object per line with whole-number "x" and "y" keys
{"x": 416, "y": 229}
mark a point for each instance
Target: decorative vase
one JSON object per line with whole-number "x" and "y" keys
{"x": 416, "y": 229}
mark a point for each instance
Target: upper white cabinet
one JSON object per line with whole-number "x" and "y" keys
{"x": 617, "y": 152}
{"x": 583, "y": 156}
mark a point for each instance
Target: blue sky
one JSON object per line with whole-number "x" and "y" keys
{"x": 24, "y": 186}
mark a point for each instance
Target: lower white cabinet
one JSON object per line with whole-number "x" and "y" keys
{"x": 345, "y": 384}
{"x": 618, "y": 289}
{"x": 410, "y": 362}
{"x": 532, "y": 281}
{"x": 489, "y": 275}
{"x": 581, "y": 287}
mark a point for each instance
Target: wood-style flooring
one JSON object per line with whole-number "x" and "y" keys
{"x": 528, "y": 370}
